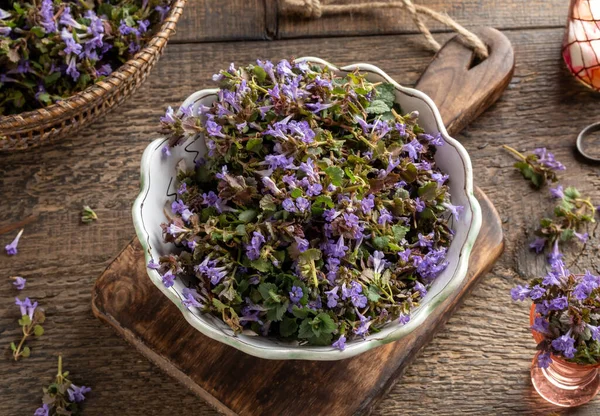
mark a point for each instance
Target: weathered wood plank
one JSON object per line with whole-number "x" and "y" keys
{"x": 217, "y": 20}
{"x": 478, "y": 365}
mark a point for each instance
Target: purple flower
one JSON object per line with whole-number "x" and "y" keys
{"x": 288, "y": 205}
{"x": 555, "y": 255}
{"x": 413, "y": 148}
{"x": 367, "y": 204}
{"x": 436, "y": 140}
{"x": 557, "y": 192}
{"x": 581, "y": 237}
{"x": 439, "y": 178}
{"x": 72, "y": 69}
{"x": 332, "y": 297}
{"x": 558, "y": 304}
{"x": 541, "y": 325}
{"x": 168, "y": 279}
{"x": 19, "y": 282}
{"x": 384, "y": 216}
{"x": 279, "y": 161}
{"x": 544, "y": 360}
{"x": 47, "y": 16}
{"x": 308, "y": 168}
{"x": 186, "y": 215}
{"x": 213, "y": 129}
{"x": 340, "y": 344}
{"x": 153, "y": 265}
{"x": 538, "y": 244}
{"x": 302, "y": 129}
{"x": 333, "y": 265}
{"x": 425, "y": 240}
{"x": 404, "y": 255}
{"x": 253, "y": 249}
{"x": 401, "y": 128}
{"x": 169, "y": 117}
{"x": 11, "y": 249}
{"x": 296, "y": 294}
{"x": 330, "y": 214}
{"x": 419, "y": 287}
{"x": 547, "y": 159}
{"x": 364, "y": 325}
{"x": 403, "y": 319}
{"x": 317, "y": 107}
{"x": 595, "y": 331}
{"x": 178, "y": 206}
{"x": 190, "y": 298}
{"x": 419, "y": 205}
{"x": 66, "y": 19}
{"x": 537, "y": 292}
{"x": 162, "y": 10}
{"x": 565, "y": 344}
{"x": 271, "y": 186}
{"x": 302, "y": 204}
{"x": 71, "y": 47}
{"x": 302, "y": 244}
{"x": 314, "y": 189}
{"x": 42, "y": 411}
{"x": 26, "y": 306}
{"x": 76, "y": 394}
{"x": 454, "y": 209}
{"x": 520, "y": 292}
{"x": 104, "y": 70}
{"x": 336, "y": 249}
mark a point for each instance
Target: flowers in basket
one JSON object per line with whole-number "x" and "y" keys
{"x": 50, "y": 50}
{"x": 318, "y": 215}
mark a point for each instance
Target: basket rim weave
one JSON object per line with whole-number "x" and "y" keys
{"x": 88, "y": 98}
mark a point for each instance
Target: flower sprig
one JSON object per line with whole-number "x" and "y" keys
{"x": 571, "y": 214}
{"x": 31, "y": 319}
{"x": 539, "y": 167}
{"x": 319, "y": 214}
{"x": 62, "y": 397}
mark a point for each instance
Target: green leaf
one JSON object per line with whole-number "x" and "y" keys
{"x": 26, "y": 352}
{"x": 38, "y": 31}
{"x": 297, "y": 192}
{"x": 567, "y": 234}
{"x": 13, "y": 347}
{"x": 373, "y": 293}
{"x": 336, "y": 174}
{"x": 306, "y": 329}
{"x": 399, "y": 232}
{"x": 267, "y": 289}
{"x": 240, "y": 230}
{"x": 350, "y": 175}
{"x": 219, "y": 305}
{"x": 248, "y": 215}
{"x": 301, "y": 313}
{"x": 326, "y": 324}
{"x": 276, "y": 312}
{"x": 267, "y": 203}
{"x": 428, "y": 191}
{"x": 260, "y": 74}
{"x": 254, "y": 145}
{"x": 38, "y": 330}
{"x": 381, "y": 242}
{"x": 410, "y": 173}
{"x": 378, "y": 107}
{"x": 25, "y": 320}
{"x": 572, "y": 192}
{"x": 312, "y": 254}
{"x": 324, "y": 200}
{"x": 288, "y": 326}
{"x": 261, "y": 265}
{"x": 386, "y": 93}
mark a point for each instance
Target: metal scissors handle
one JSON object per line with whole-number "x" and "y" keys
{"x": 592, "y": 128}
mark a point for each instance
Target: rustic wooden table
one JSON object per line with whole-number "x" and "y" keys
{"x": 479, "y": 364}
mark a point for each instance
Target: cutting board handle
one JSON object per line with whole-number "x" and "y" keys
{"x": 463, "y": 87}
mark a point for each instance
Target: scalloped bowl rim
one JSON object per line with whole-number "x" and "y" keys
{"x": 307, "y": 352}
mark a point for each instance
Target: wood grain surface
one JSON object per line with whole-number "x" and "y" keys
{"x": 478, "y": 365}
{"x": 236, "y": 383}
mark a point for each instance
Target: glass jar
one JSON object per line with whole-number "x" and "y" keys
{"x": 581, "y": 44}
{"x": 563, "y": 383}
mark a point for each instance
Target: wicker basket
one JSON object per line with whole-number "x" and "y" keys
{"x": 33, "y": 128}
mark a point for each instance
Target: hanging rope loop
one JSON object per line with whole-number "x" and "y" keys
{"x": 313, "y": 9}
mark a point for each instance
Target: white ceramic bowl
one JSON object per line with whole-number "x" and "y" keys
{"x": 158, "y": 189}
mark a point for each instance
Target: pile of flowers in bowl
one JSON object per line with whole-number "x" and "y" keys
{"x": 319, "y": 214}
{"x": 49, "y": 50}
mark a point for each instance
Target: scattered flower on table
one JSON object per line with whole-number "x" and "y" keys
{"x": 11, "y": 249}
{"x": 539, "y": 167}
{"x": 88, "y": 215}
{"x": 319, "y": 213}
{"x": 62, "y": 397}
{"x": 30, "y": 322}
{"x": 18, "y": 282}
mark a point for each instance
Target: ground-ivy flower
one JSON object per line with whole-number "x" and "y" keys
{"x": 168, "y": 279}
{"x": 296, "y": 294}
{"x": 544, "y": 360}
{"x": 19, "y": 282}
{"x": 565, "y": 344}
{"x": 340, "y": 344}
{"x": 11, "y": 249}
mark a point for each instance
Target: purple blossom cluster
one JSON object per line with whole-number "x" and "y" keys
{"x": 566, "y": 315}
{"x": 48, "y": 40}
{"x": 312, "y": 216}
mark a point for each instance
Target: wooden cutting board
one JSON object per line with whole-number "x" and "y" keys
{"x": 238, "y": 384}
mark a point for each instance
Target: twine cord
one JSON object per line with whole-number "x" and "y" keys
{"x": 314, "y": 9}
